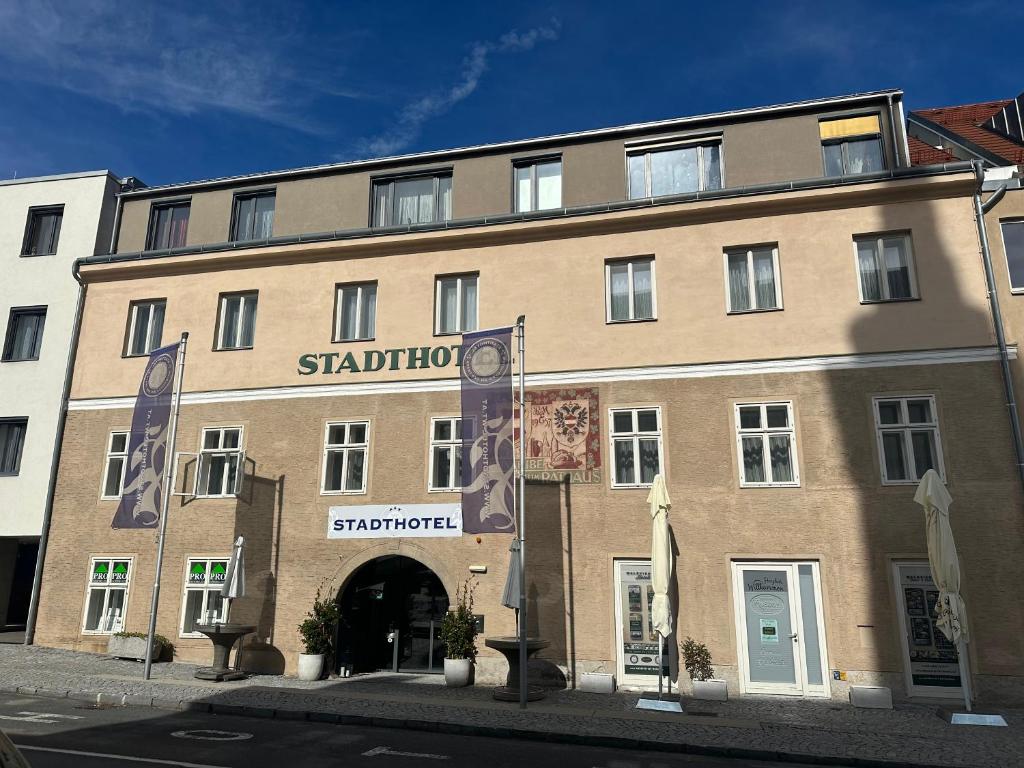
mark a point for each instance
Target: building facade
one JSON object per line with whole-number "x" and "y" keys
{"x": 48, "y": 223}
{"x": 768, "y": 307}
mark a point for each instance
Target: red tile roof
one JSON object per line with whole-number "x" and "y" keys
{"x": 925, "y": 154}
{"x": 968, "y": 120}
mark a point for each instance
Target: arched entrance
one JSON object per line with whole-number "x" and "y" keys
{"x": 392, "y": 594}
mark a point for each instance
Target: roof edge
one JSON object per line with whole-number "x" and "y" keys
{"x": 955, "y": 138}
{"x": 60, "y": 177}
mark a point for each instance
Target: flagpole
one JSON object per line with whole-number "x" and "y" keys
{"x": 522, "y": 623}
{"x": 165, "y": 484}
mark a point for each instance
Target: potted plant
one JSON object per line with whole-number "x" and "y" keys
{"x": 458, "y": 633}
{"x": 697, "y": 660}
{"x": 132, "y": 645}
{"x": 317, "y": 633}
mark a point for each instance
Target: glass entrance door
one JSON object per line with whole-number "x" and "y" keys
{"x": 780, "y": 631}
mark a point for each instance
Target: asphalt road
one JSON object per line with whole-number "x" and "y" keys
{"x": 62, "y": 732}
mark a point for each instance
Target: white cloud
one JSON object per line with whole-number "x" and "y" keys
{"x": 410, "y": 119}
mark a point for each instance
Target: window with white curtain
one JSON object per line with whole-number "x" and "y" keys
{"x": 908, "y": 438}
{"x": 236, "y": 325}
{"x": 629, "y": 290}
{"x": 674, "y": 170}
{"x": 445, "y": 454}
{"x": 12, "y": 441}
{"x": 106, "y": 595}
{"x": 168, "y": 225}
{"x": 852, "y": 145}
{"x": 24, "y": 334}
{"x": 43, "y": 231}
{"x": 885, "y": 267}
{"x": 254, "y": 216}
{"x": 116, "y": 463}
{"x": 145, "y": 326}
{"x": 346, "y": 447}
{"x": 752, "y": 279}
{"x": 456, "y": 301}
{"x": 412, "y": 200}
{"x": 355, "y": 312}
{"x": 766, "y": 443}
{"x": 538, "y": 185}
{"x": 636, "y": 446}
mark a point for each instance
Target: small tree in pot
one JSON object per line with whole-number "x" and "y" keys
{"x": 317, "y": 633}
{"x": 458, "y": 633}
{"x": 697, "y": 660}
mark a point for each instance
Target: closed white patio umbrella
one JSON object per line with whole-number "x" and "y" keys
{"x": 661, "y": 567}
{"x": 234, "y": 579}
{"x": 945, "y": 567}
{"x": 510, "y": 594}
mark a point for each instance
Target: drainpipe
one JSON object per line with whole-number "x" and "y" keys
{"x": 897, "y": 156}
{"x": 37, "y": 579}
{"x": 980, "y": 209}
{"x": 116, "y": 229}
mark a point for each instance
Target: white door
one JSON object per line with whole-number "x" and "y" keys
{"x": 636, "y": 643}
{"x": 779, "y": 628}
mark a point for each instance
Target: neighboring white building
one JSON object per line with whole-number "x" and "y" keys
{"x": 46, "y": 223}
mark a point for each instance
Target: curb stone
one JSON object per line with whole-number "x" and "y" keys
{"x": 465, "y": 729}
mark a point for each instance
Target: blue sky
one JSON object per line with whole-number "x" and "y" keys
{"x": 177, "y": 91}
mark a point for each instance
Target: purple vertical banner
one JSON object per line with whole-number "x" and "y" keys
{"x": 488, "y": 464}
{"x": 147, "y": 444}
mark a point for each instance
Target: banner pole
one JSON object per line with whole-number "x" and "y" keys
{"x": 165, "y": 501}
{"x": 523, "y": 656}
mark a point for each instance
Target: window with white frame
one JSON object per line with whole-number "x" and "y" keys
{"x": 346, "y": 445}
{"x": 629, "y": 290}
{"x": 117, "y": 461}
{"x": 236, "y": 320}
{"x": 220, "y": 462}
{"x": 766, "y": 443}
{"x": 202, "y": 601}
{"x": 445, "y": 454}
{"x": 636, "y": 446}
{"x": 355, "y": 312}
{"x": 106, "y": 595}
{"x": 538, "y": 185}
{"x": 752, "y": 279}
{"x": 885, "y": 266}
{"x": 145, "y": 326}
{"x": 456, "y": 302}
{"x": 908, "y": 438}
{"x": 1013, "y": 245}
{"x": 675, "y": 170}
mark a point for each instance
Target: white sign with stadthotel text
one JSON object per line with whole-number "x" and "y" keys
{"x": 392, "y": 521}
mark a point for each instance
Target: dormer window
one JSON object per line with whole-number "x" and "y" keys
{"x": 423, "y": 199}
{"x": 675, "y": 169}
{"x": 852, "y": 145}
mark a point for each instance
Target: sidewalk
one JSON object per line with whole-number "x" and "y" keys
{"x": 755, "y": 727}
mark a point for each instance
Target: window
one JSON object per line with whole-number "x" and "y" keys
{"x": 908, "y": 438}
{"x": 355, "y": 312}
{"x": 145, "y": 326}
{"x": 851, "y": 145}
{"x": 12, "y": 440}
{"x": 752, "y": 277}
{"x": 456, "y": 300}
{"x": 236, "y": 325}
{"x": 415, "y": 200}
{"x": 43, "y": 231}
{"x": 345, "y": 447}
{"x": 538, "y": 185}
{"x": 629, "y": 287}
{"x": 675, "y": 170}
{"x": 885, "y": 267}
{"x": 203, "y": 603}
{"x": 636, "y": 446}
{"x": 117, "y": 461}
{"x": 168, "y": 226}
{"x": 24, "y": 334}
{"x": 1013, "y": 244}
{"x": 766, "y": 442}
{"x": 253, "y": 217}
{"x": 220, "y": 462}
{"x": 445, "y": 454}
{"x": 106, "y": 595}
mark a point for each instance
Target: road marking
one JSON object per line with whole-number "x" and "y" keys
{"x": 386, "y": 751}
{"x": 207, "y": 735}
{"x": 150, "y": 760}
{"x": 49, "y": 718}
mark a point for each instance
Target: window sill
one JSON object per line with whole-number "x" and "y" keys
{"x": 343, "y": 493}
{"x": 9, "y": 474}
{"x": 224, "y": 496}
{"x": 110, "y": 498}
{"x": 230, "y": 349}
{"x": 353, "y": 341}
{"x": 143, "y": 356}
{"x": 452, "y": 333}
{"x": 769, "y": 485}
{"x": 1017, "y": 291}
{"x": 640, "y": 487}
{"x": 758, "y": 311}
{"x": 445, "y": 490}
{"x": 906, "y": 483}
{"x": 20, "y": 360}
{"x": 636, "y": 320}
{"x": 34, "y": 255}
{"x": 889, "y": 301}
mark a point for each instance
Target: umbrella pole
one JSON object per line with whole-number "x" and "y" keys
{"x": 965, "y": 674}
{"x": 522, "y": 620}
{"x": 661, "y": 662}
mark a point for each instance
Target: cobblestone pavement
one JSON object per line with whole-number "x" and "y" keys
{"x": 910, "y": 734}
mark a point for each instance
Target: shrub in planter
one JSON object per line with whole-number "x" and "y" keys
{"x": 697, "y": 661}
{"x": 132, "y": 645}
{"x": 458, "y": 633}
{"x": 317, "y": 634}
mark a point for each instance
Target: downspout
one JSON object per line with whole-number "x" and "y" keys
{"x": 115, "y": 231}
{"x": 980, "y": 209}
{"x": 897, "y": 156}
{"x": 37, "y": 579}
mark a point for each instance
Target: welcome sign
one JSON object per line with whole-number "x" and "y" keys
{"x": 394, "y": 521}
